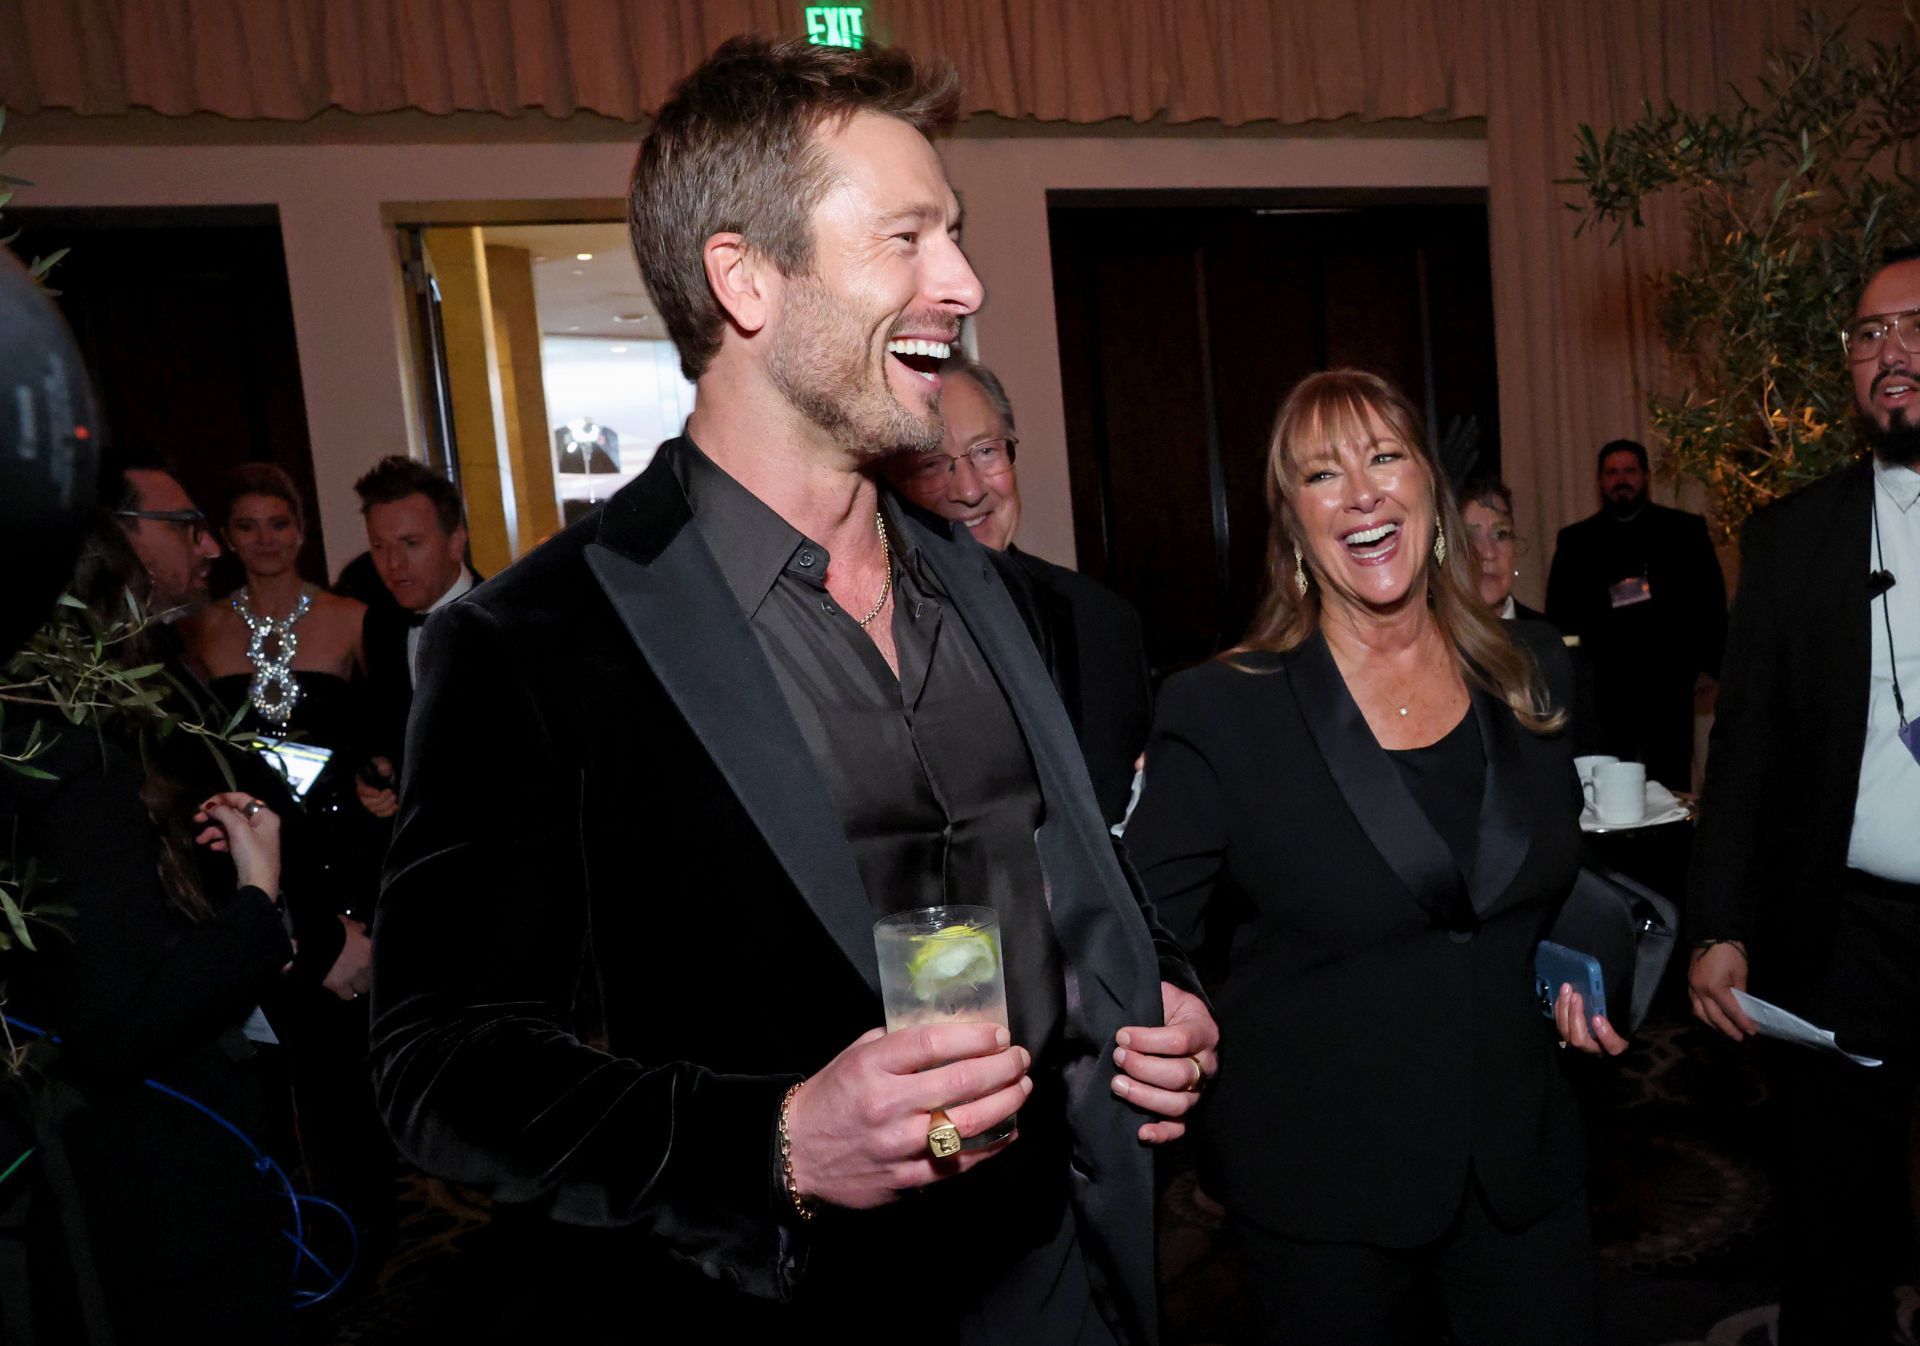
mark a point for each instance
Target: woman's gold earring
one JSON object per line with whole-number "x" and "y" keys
{"x": 1439, "y": 543}
{"x": 1299, "y": 570}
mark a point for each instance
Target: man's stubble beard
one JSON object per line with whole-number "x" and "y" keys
{"x": 819, "y": 363}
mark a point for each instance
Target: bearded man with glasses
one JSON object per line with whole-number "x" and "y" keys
{"x": 1089, "y": 635}
{"x": 170, "y": 535}
{"x": 1806, "y": 867}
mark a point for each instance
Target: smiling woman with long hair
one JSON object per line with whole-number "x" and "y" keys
{"x": 1371, "y": 799}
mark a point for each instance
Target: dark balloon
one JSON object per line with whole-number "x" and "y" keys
{"x": 49, "y": 453}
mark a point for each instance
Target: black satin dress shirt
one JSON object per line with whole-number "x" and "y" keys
{"x": 929, "y": 772}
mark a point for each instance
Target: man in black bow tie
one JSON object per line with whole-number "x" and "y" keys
{"x": 417, "y": 537}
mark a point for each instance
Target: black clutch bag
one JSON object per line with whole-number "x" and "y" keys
{"x": 1628, "y": 929}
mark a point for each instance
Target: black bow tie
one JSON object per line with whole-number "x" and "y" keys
{"x": 415, "y": 620}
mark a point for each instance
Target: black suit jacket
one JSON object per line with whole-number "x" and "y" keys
{"x": 1378, "y": 1044}
{"x": 1645, "y": 657}
{"x": 1090, "y": 637}
{"x": 1783, "y": 765}
{"x": 604, "y": 782}
{"x": 1689, "y": 595}
{"x": 1566, "y": 672}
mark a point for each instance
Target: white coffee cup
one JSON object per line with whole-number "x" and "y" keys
{"x": 1586, "y": 767}
{"x": 1620, "y": 792}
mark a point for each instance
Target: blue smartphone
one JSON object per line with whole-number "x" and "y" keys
{"x": 1555, "y": 965}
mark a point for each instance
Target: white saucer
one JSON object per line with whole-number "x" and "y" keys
{"x": 1662, "y": 808}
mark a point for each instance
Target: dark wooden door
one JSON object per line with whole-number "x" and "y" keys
{"x": 1183, "y": 321}
{"x": 186, "y": 323}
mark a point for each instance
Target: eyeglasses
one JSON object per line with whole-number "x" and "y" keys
{"x": 1500, "y": 535}
{"x": 1864, "y": 338}
{"x": 198, "y": 529}
{"x": 990, "y": 458}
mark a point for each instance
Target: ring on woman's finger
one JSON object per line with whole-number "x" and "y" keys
{"x": 251, "y": 807}
{"x": 943, "y": 1137}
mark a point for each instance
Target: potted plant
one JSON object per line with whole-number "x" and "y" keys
{"x": 1790, "y": 199}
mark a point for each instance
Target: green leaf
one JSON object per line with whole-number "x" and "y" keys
{"x": 16, "y": 919}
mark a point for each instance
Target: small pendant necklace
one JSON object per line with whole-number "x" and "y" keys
{"x": 270, "y": 649}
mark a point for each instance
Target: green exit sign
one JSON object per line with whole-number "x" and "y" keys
{"x": 836, "y": 25}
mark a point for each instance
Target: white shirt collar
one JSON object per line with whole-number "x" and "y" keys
{"x": 1507, "y": 610}
{"x": 1901, "y": 485}
{"x": 460, "y": 588}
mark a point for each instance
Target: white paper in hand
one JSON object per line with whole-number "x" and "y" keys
{"x": 1774, "y": 1022}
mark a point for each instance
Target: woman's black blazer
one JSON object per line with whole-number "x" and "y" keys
{"x": 1380, "y": 1039}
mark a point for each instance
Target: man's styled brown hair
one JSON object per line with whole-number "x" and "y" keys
{"x": 396, "y": 477}
{"x": 736, "y": 150}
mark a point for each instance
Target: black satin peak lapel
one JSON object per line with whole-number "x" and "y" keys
{"x": 1505, "y": 834}
{"x": 674, "y": 602}
{"x": 1367, "y": 779}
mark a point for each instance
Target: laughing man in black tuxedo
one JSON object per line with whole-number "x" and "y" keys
{"x": 1089, "y": 635}
{"x": 689, "y": 750}
{"x": 1807, "y": 862}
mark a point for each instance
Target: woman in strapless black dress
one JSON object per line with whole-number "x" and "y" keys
{"x": 291, "y": 654}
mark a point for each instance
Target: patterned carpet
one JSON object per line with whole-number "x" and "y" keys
{"x": 1680, "y": 1132}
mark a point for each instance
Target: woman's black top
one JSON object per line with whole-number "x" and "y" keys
{"x": 1448, "y": 779}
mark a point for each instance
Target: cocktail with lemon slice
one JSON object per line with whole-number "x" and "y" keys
{"x": 942, "y": 965}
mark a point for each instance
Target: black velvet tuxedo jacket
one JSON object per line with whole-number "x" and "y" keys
{"x": 1090, "y": 637}
{"x": 1783, "y": 763}
{"x": 1382, "y": 1031}
{"x": 605, "y": 784}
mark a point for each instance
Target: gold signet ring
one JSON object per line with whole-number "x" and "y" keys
{"x": 943, "y": 1137}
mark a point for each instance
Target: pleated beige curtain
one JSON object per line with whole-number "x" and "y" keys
{"x": 1576, "y": 345}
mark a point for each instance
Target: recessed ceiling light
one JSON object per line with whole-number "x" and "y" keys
{"x": 538, "y": 258}
{"x": 618, "y": 350}
{"x": 578, "y": 272}
{"x": 630, "y": 317}
{"x": 574, "y": 328}
{"x": 583, "y": 257}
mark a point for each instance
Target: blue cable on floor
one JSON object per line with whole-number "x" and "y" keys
{"x": 262, "y": 1163}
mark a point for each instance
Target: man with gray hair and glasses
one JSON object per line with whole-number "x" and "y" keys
{"x": 1089, "y": 635}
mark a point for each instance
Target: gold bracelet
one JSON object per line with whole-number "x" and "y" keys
{"x": 806, "y": 1208}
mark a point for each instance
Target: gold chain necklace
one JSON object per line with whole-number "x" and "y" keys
{"x": 886, "y": 560}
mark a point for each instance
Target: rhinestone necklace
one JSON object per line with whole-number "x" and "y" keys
{"x": 270, "y": 650}
{"x": 886, "y": 560}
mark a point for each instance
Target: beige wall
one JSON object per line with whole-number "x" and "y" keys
{"x": 337, "y": 202}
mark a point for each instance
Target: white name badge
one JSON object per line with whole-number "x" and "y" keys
{"x": 1625, "y": 593}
